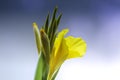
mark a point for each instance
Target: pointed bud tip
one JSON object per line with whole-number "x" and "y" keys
{"x": 34, "y": 24}
{"x": 56, "y": 7}
{"x": 42, "y": 31}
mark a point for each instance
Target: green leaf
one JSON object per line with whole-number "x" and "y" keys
{"x": 52, "y": 36}
{"x": 47, "y": 23}
{"x": 54, "y": 14}
{"x": 58, "y": 20}
{"x": 52, "y": 22}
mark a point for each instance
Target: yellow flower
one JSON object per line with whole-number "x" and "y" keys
{"x": 53, "y": 48}
{"x": 65, "y": 48}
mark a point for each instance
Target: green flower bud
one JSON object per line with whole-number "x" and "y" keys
{"x": 37, "y": 36}
{"x": 45, "y": 44}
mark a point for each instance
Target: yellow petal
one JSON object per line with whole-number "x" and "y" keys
{"x": 59, "y": 40}
{"x": 76, "y": 47}
{"x": 59, "y": 54}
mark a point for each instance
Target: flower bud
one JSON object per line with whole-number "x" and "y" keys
{"x": 37, "y": 36}
{"x": 45, "y": 44}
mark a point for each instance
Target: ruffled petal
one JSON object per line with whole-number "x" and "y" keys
{"x": 76, "y": 47}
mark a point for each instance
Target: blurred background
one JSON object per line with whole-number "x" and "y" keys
{"x": 96, "y": 21}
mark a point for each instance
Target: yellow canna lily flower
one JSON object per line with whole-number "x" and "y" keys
{"x": 54, "y": 48}
{"x": 65, "y": 48}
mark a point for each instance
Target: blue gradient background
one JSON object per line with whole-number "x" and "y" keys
{"x": 96, "y": 21}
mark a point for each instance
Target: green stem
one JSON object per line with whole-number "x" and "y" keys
{"x": 39, "y": 69}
